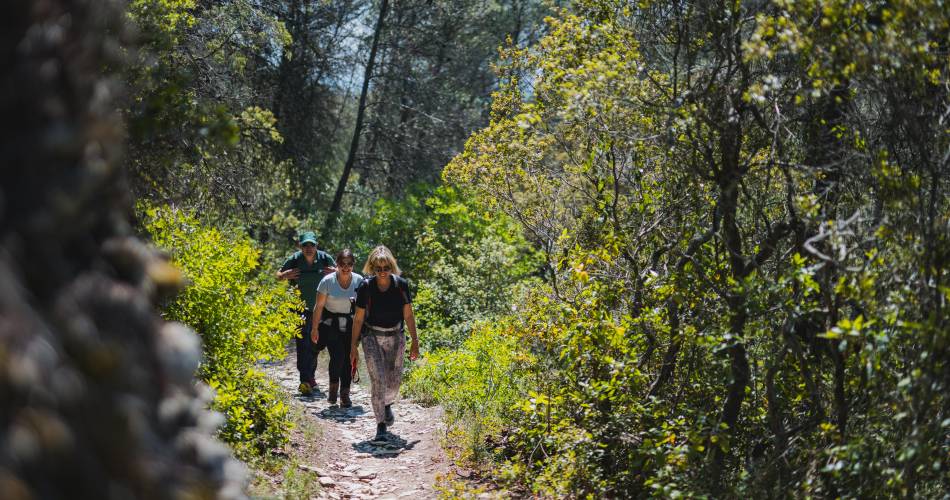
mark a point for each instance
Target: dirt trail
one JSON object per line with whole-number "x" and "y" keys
{"x": 349, "y": 466}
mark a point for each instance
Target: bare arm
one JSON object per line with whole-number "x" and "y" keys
{"x": 317, "y": 317}
{"x": 288, "y": 274}
{"x": 357, "y": 328}
{"x": 410, "y": 319}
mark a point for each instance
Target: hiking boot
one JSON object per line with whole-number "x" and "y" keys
{"x": 345, "y": 397}
{"x": 305, "y": 388}
{"x": 390, "y": 417}
{"x": 332, "y": 391}
{"x": 381, "y": 435}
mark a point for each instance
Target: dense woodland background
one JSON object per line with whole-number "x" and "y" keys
{"x": 659, "y": 248}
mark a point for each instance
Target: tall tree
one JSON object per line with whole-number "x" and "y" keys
{"x": 358, "y": 126}
{"x": 434, "y": 84}
{"x": 311, "y": 95}
{"x": 201, "y": 131}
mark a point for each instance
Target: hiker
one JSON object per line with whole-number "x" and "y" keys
{"x": 333, "y": 323}
{"x": 383, "y": 308}
{"x": 304, "y": 269}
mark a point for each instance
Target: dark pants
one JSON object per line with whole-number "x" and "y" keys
{"x": 338, "y": 345}
{"x": 307, "y": 351}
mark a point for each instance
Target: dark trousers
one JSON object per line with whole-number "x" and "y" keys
{"x": 338, "y": 345}
{"x": 306, "y": 350}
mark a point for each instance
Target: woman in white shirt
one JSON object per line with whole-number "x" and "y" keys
{"x": 333, "y": 323}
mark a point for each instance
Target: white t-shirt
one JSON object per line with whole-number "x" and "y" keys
{"x": 338, "y": 298}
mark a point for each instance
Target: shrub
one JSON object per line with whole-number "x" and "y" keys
{"x": 477, "y": 384}
{"x": 242, "y": 318}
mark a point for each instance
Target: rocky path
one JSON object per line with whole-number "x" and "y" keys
{"x": 348, "y": 465}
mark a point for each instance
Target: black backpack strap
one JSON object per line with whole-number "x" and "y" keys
{"x": 369, "y": 301}
{"x": 405, "y": 297}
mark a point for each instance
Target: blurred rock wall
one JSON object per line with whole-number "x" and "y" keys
{"x": 97, "y": 398}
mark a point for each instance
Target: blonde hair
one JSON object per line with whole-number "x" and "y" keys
{"x": 381, "y": 255}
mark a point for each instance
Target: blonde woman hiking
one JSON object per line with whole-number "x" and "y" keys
{"x": 383, "y": 310}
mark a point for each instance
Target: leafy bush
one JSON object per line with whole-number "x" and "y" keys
{"x": 395, "y": 223}
{"x": 749, "y": 288}
{"x": 477, "y": 384}
{"x": 242, "y": 318}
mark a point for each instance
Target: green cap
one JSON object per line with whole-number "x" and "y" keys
{"x": 308, "y": 237}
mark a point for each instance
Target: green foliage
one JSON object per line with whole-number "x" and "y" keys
{"x": 394, "y": 222}
{"x": 579, "y": 426}
{"x": 477, "y": 264}
{"x": 254, "y": 409}
{"x": 746, "y": 224}
{"x": 242, "y": 318}
{"x": 199, "y": 134}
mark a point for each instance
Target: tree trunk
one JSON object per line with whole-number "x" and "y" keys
{"x": 334, "y": 212}
{"x": 728, "y": 180}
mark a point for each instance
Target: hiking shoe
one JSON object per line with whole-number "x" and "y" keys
{"x": 345, "y": 401}
{"x": 390, "y": 417}
{"x": 305, "y": 388}
{"x": 332, "y": 392}
{"x": 381, "y": 434}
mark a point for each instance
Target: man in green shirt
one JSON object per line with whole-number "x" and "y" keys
{"x": 304, "y": 269}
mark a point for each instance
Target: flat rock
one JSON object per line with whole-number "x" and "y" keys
{"x": 356, "y": 487}
{"x": 316, "y": 470}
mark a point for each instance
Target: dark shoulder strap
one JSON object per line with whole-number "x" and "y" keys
{"x": 369, "y": 297}
{"x": 396, "y": 280}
